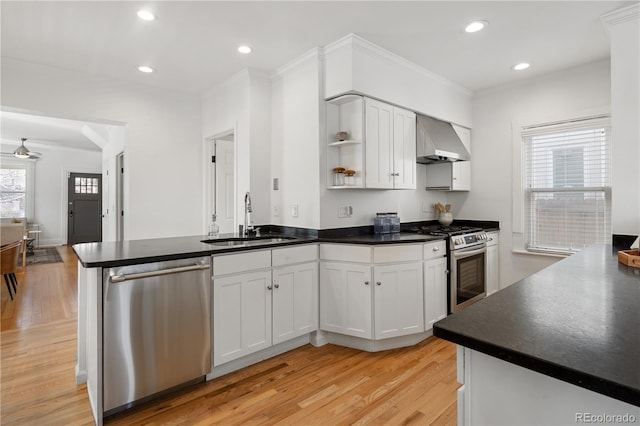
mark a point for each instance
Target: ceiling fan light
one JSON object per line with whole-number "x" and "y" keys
{"x": 21, "y": 153}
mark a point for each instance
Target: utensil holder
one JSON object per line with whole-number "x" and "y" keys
{"x": 445, "y": 218}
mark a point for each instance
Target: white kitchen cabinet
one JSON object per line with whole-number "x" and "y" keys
{"x": 242, "y": 315}
{"x": 390, "y": 146}
{"x": 449, "y": 176}
{"x": 380, "y": 145}
{"x": 404, "y": 149}
{"x": 345, "y": 299}
{"x": 435, "y": 283}
{"x": 398, "y": 294}
{"x": 373, "y": 293}
{"x": 492, "y": 262}
{"x": 295, "y": 301}
{"x": 262, "y": 298}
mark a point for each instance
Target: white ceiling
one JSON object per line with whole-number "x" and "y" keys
{"x": 47, "y": 132}
{"x": 192, "y": 45}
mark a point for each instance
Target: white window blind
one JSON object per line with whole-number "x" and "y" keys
{"x": 567, "y": 193}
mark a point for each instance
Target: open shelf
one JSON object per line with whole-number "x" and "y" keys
{"x": 346, "y": 142}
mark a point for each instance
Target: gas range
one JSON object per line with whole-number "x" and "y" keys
{"x": 459, "y": 236}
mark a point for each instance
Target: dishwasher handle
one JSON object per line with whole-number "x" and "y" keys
{"x": 161, "y": 272}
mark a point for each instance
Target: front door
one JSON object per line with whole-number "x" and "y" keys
{"x": 85, "y": 208}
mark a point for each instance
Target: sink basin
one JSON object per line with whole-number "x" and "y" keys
{"x": 246, "y": 241}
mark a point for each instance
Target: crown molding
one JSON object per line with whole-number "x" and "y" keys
{"x": 619, "y": 16}
{"x": 365, "y": 46}
{"x": 316, "y": 52}
{"x": 243, "y": 73}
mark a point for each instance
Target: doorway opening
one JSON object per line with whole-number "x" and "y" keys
{"x": 66, "y": 145}
{"x": 222, "y": 181}
{"x": 120, "y": 197}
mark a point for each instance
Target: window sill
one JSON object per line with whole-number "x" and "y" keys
{"x": 534, "y": 253}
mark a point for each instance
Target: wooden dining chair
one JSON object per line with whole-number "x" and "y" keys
{"x": 10, "y": 253}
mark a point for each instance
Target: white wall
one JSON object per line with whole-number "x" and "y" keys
{"x": 224, "y": 108}
{"x": 260, "y": 140}
{"x": 163, "y": 148}
{"x": 242, "y": 104}
{"x": 295, "y": 141}
{"x": 625, "y": 106}
{"x": 541, "y": 99}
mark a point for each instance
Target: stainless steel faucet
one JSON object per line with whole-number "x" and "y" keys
{"x": 248, "y": 227}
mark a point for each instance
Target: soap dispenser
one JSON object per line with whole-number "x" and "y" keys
{"x": 214, "y": 229}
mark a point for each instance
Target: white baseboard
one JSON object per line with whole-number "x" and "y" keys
{"x": 81, "y": 376}
{"x": 255, "y": 358}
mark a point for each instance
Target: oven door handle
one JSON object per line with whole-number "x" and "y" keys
{"x": 459, "y": 254}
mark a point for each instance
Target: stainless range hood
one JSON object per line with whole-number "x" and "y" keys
{"x": 438, "y": 142}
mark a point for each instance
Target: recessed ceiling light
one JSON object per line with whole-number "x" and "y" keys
{"x": 145, "y": 69}
{"x": 146, "y": 15}
{"x": 521, "y": 66}
{"x": 244, "y": 49}
{"x": 475, "y": 26}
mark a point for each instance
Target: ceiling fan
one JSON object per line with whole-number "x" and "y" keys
{"x": 23, "y": 152}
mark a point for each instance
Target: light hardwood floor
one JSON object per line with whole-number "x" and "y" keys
{"x": 329, "y": 385}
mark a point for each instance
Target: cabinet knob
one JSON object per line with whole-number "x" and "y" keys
{"x": 366, "y": 283}
{"x": 436, "y": 249}
{"x": 276, "y": 285}
{"x": 269, "y": 287}
{"x": 378, "y": 283}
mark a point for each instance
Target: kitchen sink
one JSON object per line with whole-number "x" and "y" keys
{"x": 246, "y": 241}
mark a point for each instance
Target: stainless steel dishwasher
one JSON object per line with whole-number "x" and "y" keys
{"x": 157, "y": 329}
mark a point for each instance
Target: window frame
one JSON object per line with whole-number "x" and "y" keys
{"x": 10, "y": 162}
{"x": 519, "y": 190}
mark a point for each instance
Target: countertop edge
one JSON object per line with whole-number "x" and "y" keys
{"x": 575, "y": 377}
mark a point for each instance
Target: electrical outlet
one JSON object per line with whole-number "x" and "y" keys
{"x": 427, "y": 207}
{"x": 345, "y": 211}
{"x": 276, "y": 210}
{"x": 294, "y": 210}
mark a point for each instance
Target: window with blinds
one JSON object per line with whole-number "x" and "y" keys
{"x": 567, "y": 193}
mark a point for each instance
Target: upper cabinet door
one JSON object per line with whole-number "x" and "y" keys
{"x": 379, "y": 144}
{"x": 404, "y": 149}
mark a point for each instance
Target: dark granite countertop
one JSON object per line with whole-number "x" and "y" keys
{"x": 131, "y": 252}
{"x": 577, "y": 320}
{"x": 402, "y": 237}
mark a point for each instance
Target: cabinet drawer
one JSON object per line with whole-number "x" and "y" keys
{"x": 234, "y": 263}
{"x": 435, "y": 249}
{"x": 345, "y": 253}
{"x": 397, "y": 253}
{"x": 295, "y": 254}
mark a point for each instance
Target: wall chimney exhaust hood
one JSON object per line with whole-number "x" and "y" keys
{"x": 438, "y": 142}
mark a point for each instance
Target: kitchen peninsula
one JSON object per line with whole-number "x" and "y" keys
{"x": 249, "y": 282}
{"x": 557, "y": 347}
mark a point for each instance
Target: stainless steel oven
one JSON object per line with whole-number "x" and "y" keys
{"x": 467, "y": 270}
